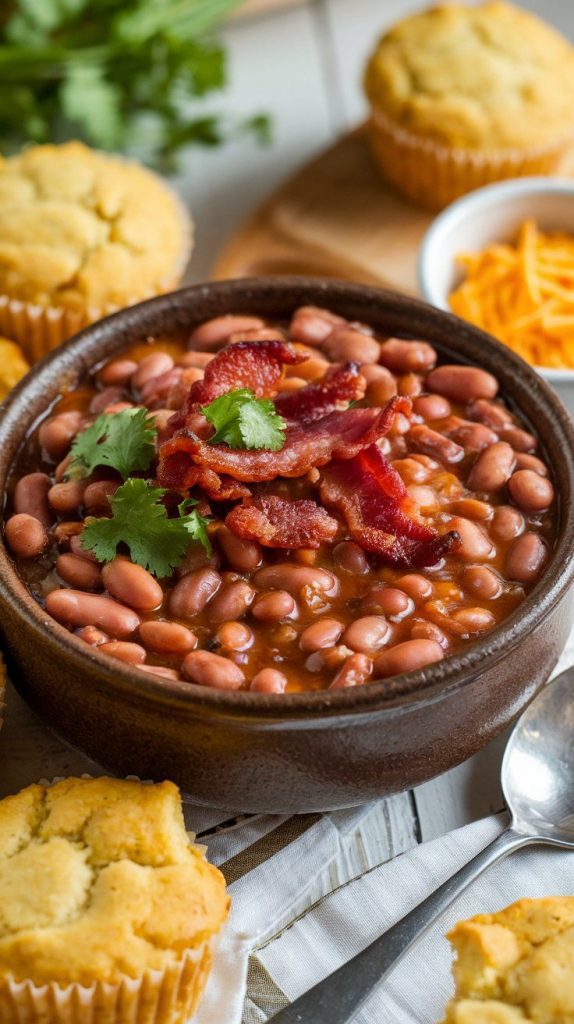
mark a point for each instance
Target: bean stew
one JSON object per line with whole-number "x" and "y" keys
{"x": 321, "y": 506}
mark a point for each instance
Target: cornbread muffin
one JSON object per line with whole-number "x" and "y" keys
{"x": 13, "y": 366}
{"x": 461, "y": 96}
{"x": 81, "y": 234}
{"x": 99, "y": 884}
{"x": 516, "y": 965}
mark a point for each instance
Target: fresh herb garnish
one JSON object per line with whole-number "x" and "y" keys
{"x": 140, "y": 521}
{"x": 243, "y": 421}
{"x": 122, "y": 440}
{"x": 118, "y": 75}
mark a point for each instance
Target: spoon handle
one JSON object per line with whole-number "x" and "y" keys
{"x": 337, "y": 998}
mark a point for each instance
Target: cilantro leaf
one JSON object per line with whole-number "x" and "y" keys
{"x": 92, "y": 103}
{"x": 122, "y": 440}
{"x": 140, "y": 521}
{"x": 243, "y": 421}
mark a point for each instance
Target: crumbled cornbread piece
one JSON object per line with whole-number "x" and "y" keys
{"x": 13, "y": 366}
{"x": 98, "y": 879}
{"x": 516, "y": 965}
{"x": 489, "y": 77}
{"x": 84, "y": 230}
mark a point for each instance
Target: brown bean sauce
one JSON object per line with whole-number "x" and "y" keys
{"x": 430, "y": 613}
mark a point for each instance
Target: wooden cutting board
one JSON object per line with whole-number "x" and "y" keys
{"x": 337, "y": 218}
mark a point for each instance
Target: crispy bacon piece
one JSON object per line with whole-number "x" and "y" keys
{"x": 277, "y": 523}
{"x": 341, "y": 435}
{"x": 178, "y": 472}
{"x": 379, "y": 512}
{"x": 339, "y": 386}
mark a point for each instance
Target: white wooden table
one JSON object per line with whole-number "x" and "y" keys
{"x": 303, "y": 66}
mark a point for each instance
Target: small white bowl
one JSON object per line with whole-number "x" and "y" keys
{"x": 493, "y": 214}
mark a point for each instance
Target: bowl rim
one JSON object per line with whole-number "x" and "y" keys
{"x": 388, "y": 695}
{"x": 457, "y": 211}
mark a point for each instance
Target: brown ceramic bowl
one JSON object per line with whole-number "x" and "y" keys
{"x": 304, "y": 751}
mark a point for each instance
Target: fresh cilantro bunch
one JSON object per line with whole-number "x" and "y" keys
{"x": 122, "y": 440}
{"x": 118, "y": 75}
{"x": 243, "y": 421}
{"x": 140, "y": 521}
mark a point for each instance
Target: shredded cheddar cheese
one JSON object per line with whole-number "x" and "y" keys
{"x": 523, "y": 293}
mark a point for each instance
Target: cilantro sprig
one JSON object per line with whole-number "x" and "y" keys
{"x": 122, "y": 440}
{"x": 140, "y": 521}
{"x": 243, "y": 421}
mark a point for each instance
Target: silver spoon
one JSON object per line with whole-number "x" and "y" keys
{"x": 538, "y": 785}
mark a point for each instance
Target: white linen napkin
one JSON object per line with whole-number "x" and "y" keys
{"x": 346, "y": 920}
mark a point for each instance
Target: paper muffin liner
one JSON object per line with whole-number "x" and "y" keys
{"x": 39, "y": 329}
{"x": 433, "y": 175}
{"x": 169, "y": 995}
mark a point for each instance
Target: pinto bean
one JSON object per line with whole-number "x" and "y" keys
{"x": 409, "y": 656}
{"x": 78, "y": 572}
{"x": 350, "y": 557}
{"x": 31, "y": 497}
{"x": 211, "y": 334}
{"x": 526, "y": 558}
{"x": 474, "y": 437}
{"x": 521, "y": 440}
{"x": 132, "y": 584}
{"x": 372, "y": 372}
{"x": 402, "y": 356}
{"x": 476, "y": 545}
{"x": 268, "y": 680}
{"x": 530, "y": 491}
{"x": 231, "y": 601}
{"x": 57, "y": 433}
{"x": 313, "y": 325}
{"x": 167, "y": 637}
{"x": 421, "y": 438}
{"x": 272, "y": 606}
{"x": 472, "y": 508}
{"x": 431, "y": 407}
{"x": 347, "y": 345}
{"x": 97, "y": 495}
{"x": 63, "y": 532}
{"x": 423, "y": 630}
{"x": 354, "y": 672}
{"x": 123, "y": 650}
{"x": 312, "y": 369}
{"x": 91, "y": 635}
{"x": 68, "y": 496}
{"x": 117, "y": 372}
{"x": 158, "y": 670}
{"x": 474, "y": 620}
{"x": 106, "y": 398}
{"x": 293, "y": 578}
{"x": 26, "y": 536}
{"x": 155, "y": 391}
{"x": 198, "y": 359}
{"x": 192, "y": 593}
{"x": 235, "y": 636}
{"x": 417, "y": 587}
{"x": 242, "y": 555}
{"x": 323, "y": 633}
{"x": 381, "y": 390}
{"x": 394, "y": 603}
{"x": 425, "y": 498}
{"x": 411, "y": 470}
{"x": 410, "y": 384}
{"x": 482, "y": 582}
{"x": 462, "y": 383}
{"x": 74, "y": 608}
{"x": 291, "y": 384}
{"x": 61, "y": 469}
{"x": 212, "y": 670}
{"x": 507, "y": 523}
{"x": 367, "y": 634}
{"x": 526, "y": 461}
{"x": 257, "y": 334}
{"x": 151, "y": 366}
{"x": 493, "y": 414}
{"x": 493, "y": 468}
{"x": 78, "y": 548}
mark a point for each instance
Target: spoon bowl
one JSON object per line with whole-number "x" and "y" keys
{"x": 538, "y": 765}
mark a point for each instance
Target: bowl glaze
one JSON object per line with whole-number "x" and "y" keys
{"x": 304, "y": 751}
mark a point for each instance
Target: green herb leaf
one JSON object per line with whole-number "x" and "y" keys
{"x": 90, "y": 101}
{"x": 122, "y": 440}
{"x": 243, "y": 421}
{"x": 140, "y": 521}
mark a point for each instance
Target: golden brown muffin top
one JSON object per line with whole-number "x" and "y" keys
{"x": 79, "y": 228}
{"x": 492, "y": 77}
{"x": 515, "y": 965}
{"x": 98, "y": 880}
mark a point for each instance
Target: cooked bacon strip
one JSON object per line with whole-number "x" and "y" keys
{"x": 379, "y": 512}
{"x": 277, "y": 523}
{"x": 339, "y": 386}
{"x": 178, "y": 472}
{"x": 341, "y": 435}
